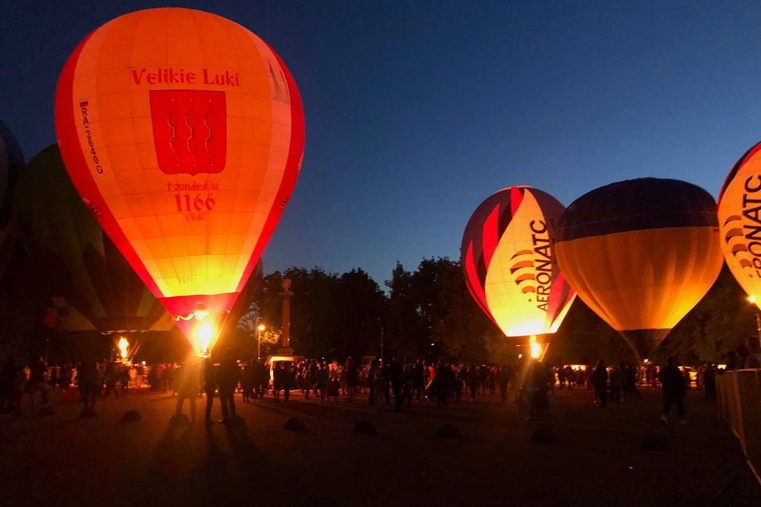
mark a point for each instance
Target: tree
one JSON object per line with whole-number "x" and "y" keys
{"x": 720, "y": 322}
{"x": 431, "y": 313}
{"x": 360, "y": 304}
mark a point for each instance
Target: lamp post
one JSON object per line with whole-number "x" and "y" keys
{"x": 259, "y": 330}
{"x": 286, "y": 337}
{"x": 752, "y": 300}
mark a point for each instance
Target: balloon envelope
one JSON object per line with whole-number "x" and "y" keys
{"x": 641, "y": 254}
{"x": 740, "y": 221}
{"x": 89, "y": 284}
{"x": 510, "y": 268}
{"x": 183, "y": 132}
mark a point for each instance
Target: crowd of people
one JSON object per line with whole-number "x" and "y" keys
{"x": 393, "y": 385}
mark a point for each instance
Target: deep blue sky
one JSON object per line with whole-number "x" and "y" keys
{"x": 417, "y": 111}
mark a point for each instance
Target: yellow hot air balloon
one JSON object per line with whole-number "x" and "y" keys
{"x": 641, "y": 254}
{"x": 740, "y": 222}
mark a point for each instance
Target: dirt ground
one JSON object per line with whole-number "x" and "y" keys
{"x": 598, "y": 459}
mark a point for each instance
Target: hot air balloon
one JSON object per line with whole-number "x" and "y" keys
{"x": 641, "y": 254}
{"x": 183, "y": 133}
{"x": 740, "y": 222}
{"x": 89, "y": 285}
{"x": 510, "y": 268}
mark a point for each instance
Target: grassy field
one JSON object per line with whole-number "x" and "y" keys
{"x": 598, "y": 459}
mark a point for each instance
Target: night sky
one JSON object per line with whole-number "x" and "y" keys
{"x": 417, "y": 111}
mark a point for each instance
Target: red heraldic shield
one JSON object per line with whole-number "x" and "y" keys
{"x": 190, "y": 130}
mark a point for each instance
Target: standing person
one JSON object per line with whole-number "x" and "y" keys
{"x": 418, "y": 382}
{"x": 352, "y": 379}
{"x": 304, "y": 381}
{"x": 112, "y": 377}
{"x": 312, "y": 378}
{"x": 289, "y": 380}
{"x": 209, "y": 387}
{"x": 536, "y": 390}
{"x": 139, "y": 375}
{"x": 631, "y": 380}
{"x": 247, "y": 380}
{"x": 188, "y": 380}
{"x": 444, "y": 376}
{"x": 278, "y": 378}
{"x": 227, "y": 380}
{"x": 483, "y": 375}
{"x": 371, "y": 381}
{"x": 502, "y": 378}
{"x": 396, "y": 376}
{"x": 37, "y": 383}
{"x": 600, "y": 383}
{"x": 458, "y": 382}
{"x": 616, "y": 384}
{"x": 381, "y": 387}
{"x": 124, "y": 377}
{"x": 153, "y": 377}
{"x": 709, "y": 381}
{"x": 674, "y": 390}
{"x": 54, "y": 373}
{"x": 65, "y": 379}
{"x": 473, "y": 381}
{"x": 493, "y": 372}
{"x": 550, "y": 374}
{"x": 322, "y": 377}
{"x": 464, "y": 377}
{"x": 89, "y": 378}
{"x": 407, "y": 388}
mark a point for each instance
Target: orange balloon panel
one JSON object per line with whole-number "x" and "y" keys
{"x": 184, "y": 133}
{"x": 740, "y": 221}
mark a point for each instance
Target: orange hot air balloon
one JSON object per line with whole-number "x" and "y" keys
{"x": 740, "y": 222}
{"x": 183, "y": 132}
{"x": 510, "y": 267}
{"x": 641, "y": 254}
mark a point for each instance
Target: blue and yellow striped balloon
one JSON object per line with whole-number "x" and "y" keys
{"x": 641, "y": 253}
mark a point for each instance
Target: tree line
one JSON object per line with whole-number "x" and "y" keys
{"x": 428, "y": 313}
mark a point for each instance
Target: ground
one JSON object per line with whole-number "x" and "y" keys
{"x": 597, "y": 461}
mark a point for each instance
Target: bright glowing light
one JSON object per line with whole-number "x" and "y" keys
{"x": 262, "y": 327}
{"x": 752, "y": 299}
{"x": 536, "y": 349}
{"x": 123, "y": 347}
{"x": 203, "y": 338}
{"x": 647, "y": 361}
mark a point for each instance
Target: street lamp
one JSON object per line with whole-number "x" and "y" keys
{"x": 259, "y": 329}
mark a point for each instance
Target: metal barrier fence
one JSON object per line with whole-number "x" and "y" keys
{"x": 739, "y": 403}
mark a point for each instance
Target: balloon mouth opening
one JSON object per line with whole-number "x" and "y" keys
{"x": 202, "y": 329}
{"x": 537, "y": 348}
